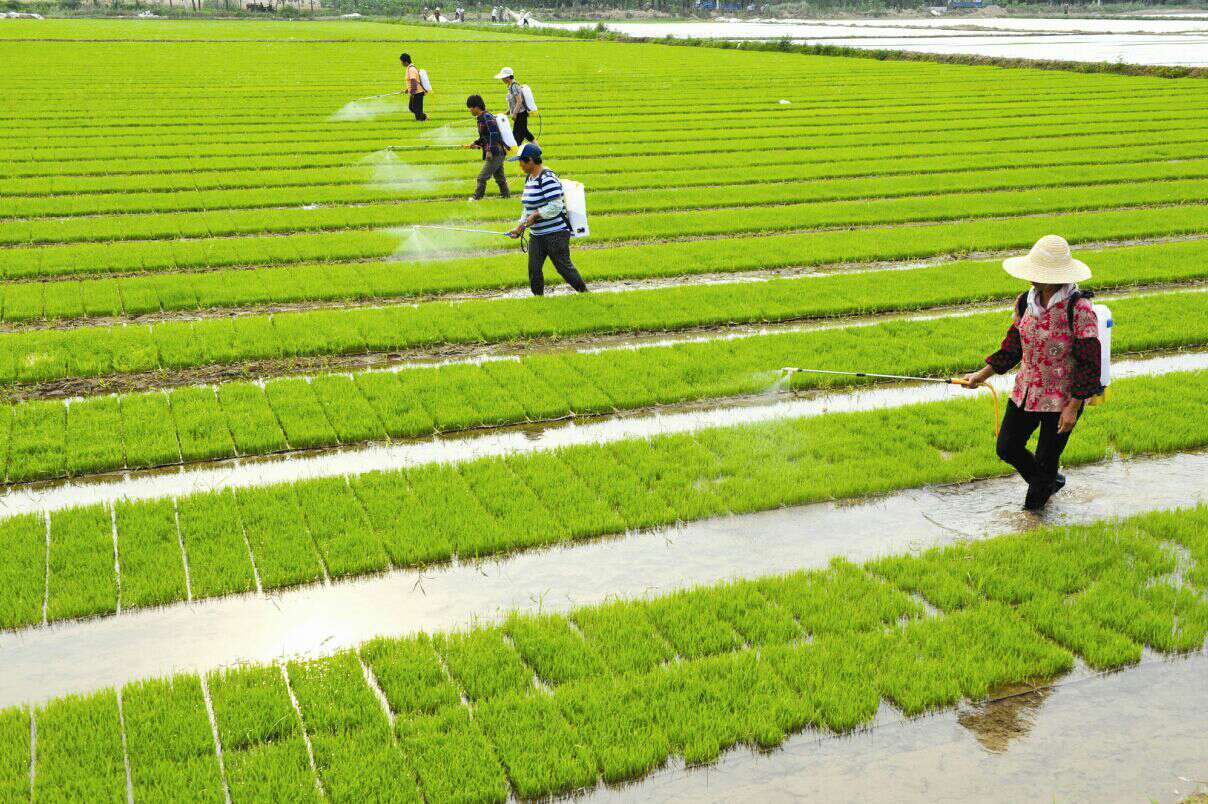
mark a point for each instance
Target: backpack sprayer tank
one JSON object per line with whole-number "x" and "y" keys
{"x": 575, "y": 198}
{"x": 505, "y": 131}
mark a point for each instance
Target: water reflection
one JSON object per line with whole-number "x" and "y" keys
{"x": 998, "y": 721}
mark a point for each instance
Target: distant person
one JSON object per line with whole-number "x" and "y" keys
{"x": 459, "y": 14}
{"x": 490, "y": 141}
{"x": 518, "y": 109}
{"x": 546, "y": 219}
{"x": 1054, "y": 337}
{"x": 436, "y": 14}
{"x": 415, "y": 88}
{"x": 494, "y": 14}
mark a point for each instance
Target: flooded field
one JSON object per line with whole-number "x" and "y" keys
{"x": 309, "y": 492}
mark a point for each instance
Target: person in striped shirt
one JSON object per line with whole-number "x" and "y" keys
{"x": 546, "y": 220}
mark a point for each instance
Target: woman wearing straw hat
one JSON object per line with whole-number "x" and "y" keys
{"x": 1055, "y": 338}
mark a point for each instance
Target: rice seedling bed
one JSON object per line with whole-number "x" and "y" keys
{"x": 292, "y": 534}
{"x": 624, "y": 686}
{"x": 246, "y": 419}
{"x": 46, "y": 356}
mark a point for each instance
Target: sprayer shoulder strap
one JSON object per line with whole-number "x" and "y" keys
{"x": 1072, "y": 302}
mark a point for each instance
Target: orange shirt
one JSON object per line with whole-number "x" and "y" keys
{"x": 414, "y": 87}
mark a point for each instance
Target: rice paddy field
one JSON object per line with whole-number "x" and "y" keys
{"x": 232, "y": 368}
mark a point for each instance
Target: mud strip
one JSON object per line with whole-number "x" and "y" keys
{"x": 470, "y": 445}
{"x": 46, "y": 662}
{"x": 257, "y": 370}
{"x": 1134, "y": 735}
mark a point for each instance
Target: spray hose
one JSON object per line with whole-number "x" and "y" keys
{"x": 788, "y": 370}
{"x": 522, "y": 237}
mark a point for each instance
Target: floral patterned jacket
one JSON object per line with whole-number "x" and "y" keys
{"x": 1057, "y": 363}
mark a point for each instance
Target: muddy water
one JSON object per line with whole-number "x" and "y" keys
{"x": 1137, "y": 735}
{"x": 773, "y": 405}
{"x": 41, "y": 663}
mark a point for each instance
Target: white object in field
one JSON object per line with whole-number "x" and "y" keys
{"x": 424, "y": 82}
{"x": 574, "y": 195}
{"x": 529, "y": 102}
{"x": 505, "y": 130}
{"x": 1104, "y": 315}
{"x": 785, "y": 102}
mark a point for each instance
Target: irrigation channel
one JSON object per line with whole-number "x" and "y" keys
{"x": 469, "y": 445}
{"x": 78, "y": 656}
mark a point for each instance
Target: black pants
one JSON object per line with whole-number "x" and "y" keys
{"x": 520, "y": 129}
{"x": 416, "y": 105}
{"x": 1017, "y": 428}
{"x": 556, "y": 246}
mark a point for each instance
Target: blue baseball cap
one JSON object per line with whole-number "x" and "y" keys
{"x": 530, "y": 151}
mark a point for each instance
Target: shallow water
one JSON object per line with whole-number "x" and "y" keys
{"x": 1136, "y": 735}
{"x": 41, "y": 663}
{"x": 1152, "y": 42}
{"x": 472, "y": 444}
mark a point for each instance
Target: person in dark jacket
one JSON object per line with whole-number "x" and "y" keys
{"x": 490, "y": 142}
{"x": 1054, "y": 337}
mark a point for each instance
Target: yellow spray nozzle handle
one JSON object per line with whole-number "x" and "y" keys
{"x": 993, "y": 392}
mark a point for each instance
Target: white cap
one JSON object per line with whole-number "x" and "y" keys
{"x": 506, "y": 72}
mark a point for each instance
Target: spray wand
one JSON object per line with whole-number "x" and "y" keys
{"x": 523, "y": 237}
{"x": 788, "y": 370}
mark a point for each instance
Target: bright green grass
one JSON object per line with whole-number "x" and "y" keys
{"x": 297, "y": 534}
{"x": 626, "y": 685}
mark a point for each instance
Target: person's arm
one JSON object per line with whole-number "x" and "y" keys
{"x": 1009, "y": 353}
{"x": 1088, "y": 364}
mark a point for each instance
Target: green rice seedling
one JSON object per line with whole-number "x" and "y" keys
{"x": 82, "y": 580}
{"x": 539, "y": 400}
{"x": 483, "y": 663}
{"x": 354, "y": 749}
{"x": 348, "y": 543}
{"x": 492, "y": 403}
{"x": 1065, "y": 624}
{"x": 757, "y": 620}
{"x": 522, "y": 515}
{"x": 149, "y": 430}
{"x": 1187, "y": 528}
{"x": 353, "y": 418}
{"x": 456, "y": 512}
{"x": 300, "y": 414}
{"x": 445, "y": 402}
{"x": 79, "y": 750}
{"x": 583, "y": 395}
{"x": 567, "y": 496}
{"x": 929, "y": 578}
{"x": 407, "y": 533}
{"x": 94, "y": 436}
{"x": 15, "y": 754}
{"x": 454, "y": 760}
{"x": 832, "y": 676}
{"x": 37, "y": 443}
{"x": 543, "y": 755}
{"x": 251, "y": 706}
{"x": 550, "y": 645}
{"x": 169, "y": 741}
{"x": 23, "y": 571}
{"x": 410, "y": 675}
{"x": 623, "y": 634}
{"x": 823, "y": 601}
{"x": 284, "y": 551}
{"x": 200, "y": 425}
{"x": 6, "y": 423}
{"x": 250, "y": 419}
{"x": 691, "y": 623}
{"x": 638, "y": 504}
{"x": 1157, "y": 614}
{"x": 273, "y": 771}
{"x": 217, "y": 552}
{"x": 612, "y": 716}
{"x": 148, "y": 544}
{"x": 399, "y": 413}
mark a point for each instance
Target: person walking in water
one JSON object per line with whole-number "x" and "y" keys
{"x": 1054, "y": 337}
{"x": 518, "y": 108}
{"x": 490, "y": 141}
{"x": 415, "y": 88}
{"x": 545, "y": 217}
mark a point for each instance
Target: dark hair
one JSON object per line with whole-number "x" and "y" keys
{"x": 536, "y": 160}
{"x": 405, "y": 58}
{"x": 476, "y": 102}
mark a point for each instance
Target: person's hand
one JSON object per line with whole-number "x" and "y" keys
{"x": 471, "y": 145}
{"x": 1069, "y": 416}
{"x": 519, "y": 230}
{"x": 972, "y": 380}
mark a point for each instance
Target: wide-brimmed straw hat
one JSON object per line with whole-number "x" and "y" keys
{"x": 1049, "y": 263}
